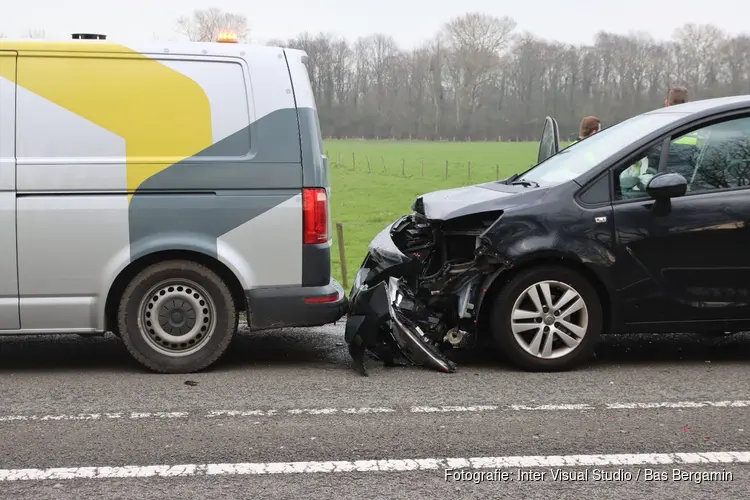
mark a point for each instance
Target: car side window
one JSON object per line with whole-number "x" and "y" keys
{"x": 631, "y": 179}
{"x": 713, "y": 157}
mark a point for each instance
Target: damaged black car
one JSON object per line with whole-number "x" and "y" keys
{"x": 591, "y": 240}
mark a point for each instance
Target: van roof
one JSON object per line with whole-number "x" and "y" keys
{"x": 150, "y": 47}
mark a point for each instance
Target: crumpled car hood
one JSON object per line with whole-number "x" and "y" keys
{"x": 451, "y": 203}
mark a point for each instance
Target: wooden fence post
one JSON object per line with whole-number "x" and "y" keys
{"x": 369, "y": 169}
{"x": 342, "y": 253}
{"x": 403, "y": 167}
{"x": 354, "y": 162}
{"x": 383, "y": 161}
{"x": 470, "y": 171}
{"x": 422, "y": 161}
{"x": 497, "y": 172}
{"x": 446, "y": 169}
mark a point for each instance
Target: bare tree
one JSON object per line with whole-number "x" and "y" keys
{"x": 700, "y": 45}
{"x": 436, "y": 53}
{"x": 735, "y": 57}
{"x": 205, "y": 25}
{"x": 475, "y": 42}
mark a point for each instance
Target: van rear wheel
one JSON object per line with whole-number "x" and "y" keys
{"x": 177, "y": 317}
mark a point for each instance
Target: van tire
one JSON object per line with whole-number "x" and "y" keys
{"x": 506, "y": 300}
{"x": 207, "y": 314}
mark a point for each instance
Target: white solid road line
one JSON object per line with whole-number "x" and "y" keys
{"x": 390, "y": 465}
{"x": 374, "y": 410}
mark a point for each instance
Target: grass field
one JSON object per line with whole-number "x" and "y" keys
{"x": 367, "y": 199}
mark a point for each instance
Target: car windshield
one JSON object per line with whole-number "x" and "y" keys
{"x": 582, "y": 156}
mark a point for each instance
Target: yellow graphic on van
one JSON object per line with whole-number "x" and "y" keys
{"x": 163, "y": 115}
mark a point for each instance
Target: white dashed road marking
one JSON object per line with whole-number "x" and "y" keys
{"x": 373, "y": 410}
{"x": 391, "y": 465}
{"x": 97, "y": 416}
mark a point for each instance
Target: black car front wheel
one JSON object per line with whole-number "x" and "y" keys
{"x": 547, "y": 319}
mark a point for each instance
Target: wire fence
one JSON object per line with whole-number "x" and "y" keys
{"x": 414, "y": 168}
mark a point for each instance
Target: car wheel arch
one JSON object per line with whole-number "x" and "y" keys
{"x": 495, "y": 282}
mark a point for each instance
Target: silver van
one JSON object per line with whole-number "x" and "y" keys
{"x": 158, "y": 190}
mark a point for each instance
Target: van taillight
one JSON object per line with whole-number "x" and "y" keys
{"x": 314, "y": 215}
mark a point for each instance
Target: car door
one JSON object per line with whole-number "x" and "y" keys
{"x": 686, "y": 260}
{"x": 9, "y": 318}
{"x": 550, "y": 142}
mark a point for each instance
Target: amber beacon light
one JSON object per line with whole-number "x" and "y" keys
{"x": 227, "y": 37}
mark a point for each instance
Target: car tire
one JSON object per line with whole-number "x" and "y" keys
{"x": 518, "y": 345}
{"x": 196, "y": 313}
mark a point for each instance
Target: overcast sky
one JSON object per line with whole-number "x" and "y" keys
{"x": 409, "y": 21}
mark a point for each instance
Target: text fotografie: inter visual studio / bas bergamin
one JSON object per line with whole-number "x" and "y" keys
{"x": 563, "y": 474}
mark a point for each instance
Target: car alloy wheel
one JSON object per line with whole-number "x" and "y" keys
{"x": 549, "y": 319}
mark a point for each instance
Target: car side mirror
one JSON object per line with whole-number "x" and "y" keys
{"x": 666, "y": 185}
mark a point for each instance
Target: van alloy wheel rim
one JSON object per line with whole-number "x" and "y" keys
{"x": 177, "y": 317}
{"x": 549, "y": 319}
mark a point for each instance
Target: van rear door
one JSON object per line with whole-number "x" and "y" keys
{"x": 314, "y": 161}
{"x": 316, "y": 185}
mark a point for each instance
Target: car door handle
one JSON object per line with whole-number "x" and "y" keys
{"x": 600, "y": 220}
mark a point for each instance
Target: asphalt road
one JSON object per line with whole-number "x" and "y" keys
{"x": 284, "y": 416}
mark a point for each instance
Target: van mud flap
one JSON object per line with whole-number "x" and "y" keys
{"x": 378, "y": 324}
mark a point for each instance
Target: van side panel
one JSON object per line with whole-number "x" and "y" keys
{"x": 123, "y": 153}
{"x": 247, "y": 183}
{"x": 316, "y": 259}
{"x": 9, "y": 319}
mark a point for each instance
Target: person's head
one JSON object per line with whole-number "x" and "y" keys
{"x": 589, "y": 126}
{"x": 676, "y": 95}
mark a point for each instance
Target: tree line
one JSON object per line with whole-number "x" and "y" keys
{"x": 482, "y": 78}
{"x": 478, "y": 79}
